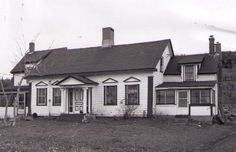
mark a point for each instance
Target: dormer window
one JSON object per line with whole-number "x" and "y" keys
{"x": 189, "y": 73}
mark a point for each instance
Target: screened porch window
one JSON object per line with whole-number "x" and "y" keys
{"x": 110, "y": 95}
{"x": 200, "y": 96}
{"x": 165, "y": 97}
{"x": 10, "y": 97}
{"x": 56, "y": 97}
{"x": 132, "y": 94}
{"x": 41, "y": 96}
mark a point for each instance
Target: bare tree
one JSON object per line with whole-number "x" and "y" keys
{"x": 6, "y": 107}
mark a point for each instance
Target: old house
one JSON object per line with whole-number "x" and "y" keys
{"x": 107, "y": 79}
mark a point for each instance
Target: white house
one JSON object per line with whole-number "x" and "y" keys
{"x": 105, "y": 80}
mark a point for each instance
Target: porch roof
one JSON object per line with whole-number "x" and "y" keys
{"x": 188, "y": 84}
{"x": 74, "y": 80}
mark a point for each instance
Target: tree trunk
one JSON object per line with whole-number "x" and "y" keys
{"x": 6, "y": 108}
{"x": 16, "y": 102}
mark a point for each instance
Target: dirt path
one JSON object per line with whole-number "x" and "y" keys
{"x": 225, "y": 143}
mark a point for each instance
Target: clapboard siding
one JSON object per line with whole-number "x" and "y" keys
{"x": 49, "y": 109}
{"x": 118, "y": 110}
{"x": 158, "y": 76}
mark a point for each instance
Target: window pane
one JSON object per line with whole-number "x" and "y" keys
{"x": 133, "y": 94}
{"x": 183, "y": 99}
{"x": 189, "y": 72}
{"x": 170, "y": 97}
{"x": 41, "y": 96}
{"x": 205, "y": 96}
{"x": 56, "y": 97}
{"x": 183, "y": 103}
{"x": 195, "y": 96}
{"x": 183, "y": 94}
{"x": 213, "y": 97}
{"x": 160, "y": 97}
{"x": 110, "y": 95}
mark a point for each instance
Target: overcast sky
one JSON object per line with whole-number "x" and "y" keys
{"x": 78, "y": 23}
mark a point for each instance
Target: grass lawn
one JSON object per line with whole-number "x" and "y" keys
{"x": 110, "y": 135}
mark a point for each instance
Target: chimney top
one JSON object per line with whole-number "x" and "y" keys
{"x": 211, "y": 44}
{"x": 218, "y": 47}
{"x": 31, "y": 47}
{"x": 107, "y": 37}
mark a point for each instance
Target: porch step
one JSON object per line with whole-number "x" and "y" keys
{"x": 71, "y": 117}
{"x": 181, "y": 119}
{"x": 203, "y": 119}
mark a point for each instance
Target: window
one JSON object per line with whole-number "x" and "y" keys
{"x": 79, "y": 94}
{"x": 110, "y": 95}
{"x": 213, "y": 97}
{"x": 189, "y": 73}
{"x": 161, "y": 64}
{"x": 41, "y": 96}
{"x": 10, "y": 97}
{"x": 132, "y": 94}
{"x": 200, "y": 96}
{"x": 56, "y": 97}
{"x": 183, "y": 99}
{"x": 165, "y": 97}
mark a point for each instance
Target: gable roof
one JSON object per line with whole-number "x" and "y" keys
{"x": 29, "y": 58}
{"x": 138, "y": 56}
{"x": 208, "y": 63}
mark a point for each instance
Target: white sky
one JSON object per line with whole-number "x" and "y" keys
{"x": 78, "y": 23}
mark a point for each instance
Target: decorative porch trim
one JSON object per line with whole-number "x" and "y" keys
{"x": 132, "y": 79}
{"x": 81, "y": 79}
{"x": 110, "y": 80}
{"x": 41, "y": 83}
{"x": 55, "y": 83}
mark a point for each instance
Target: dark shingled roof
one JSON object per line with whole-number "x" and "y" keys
{"x": 187, "y": 84}
{"x": 29, "y": 58}
{"x": 195, "y": 58}
{"x": 9, "y": 86}
{"x": 208, "y": 63}
{"x": 137, "y": 56}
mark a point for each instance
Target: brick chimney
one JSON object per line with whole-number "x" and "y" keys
{"x": 107, "y": 37}
{"x": 211, "y": 44}
{"x": 218, "y": 47}
{"x": 31, "y": 47}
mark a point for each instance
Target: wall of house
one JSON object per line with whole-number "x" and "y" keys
{"x": 17, "y": 79}
{"x": 173, "y": 78}
{"x": 207, "y": 77}
{"x": 158, "y": 76}
{"x": 98, "y": 106}
{"x": 49, "y": 109}
{"x": 100, "y": 109}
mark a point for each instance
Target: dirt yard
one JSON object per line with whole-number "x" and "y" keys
{"x": 116, "y": 136}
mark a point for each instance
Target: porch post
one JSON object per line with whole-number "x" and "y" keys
{"x": 85, "y": 100}
{"x": 63, "y": 101}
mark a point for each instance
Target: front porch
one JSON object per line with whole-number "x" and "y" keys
{"x": 76, "y": 94}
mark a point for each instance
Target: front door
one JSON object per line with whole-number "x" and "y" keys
{"x": 75, "y": 100}
{"x": 182, "y": 102}
{"x": 21, "y": 107}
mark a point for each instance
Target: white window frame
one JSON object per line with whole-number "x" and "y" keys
{"x": 194, "y": 72}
